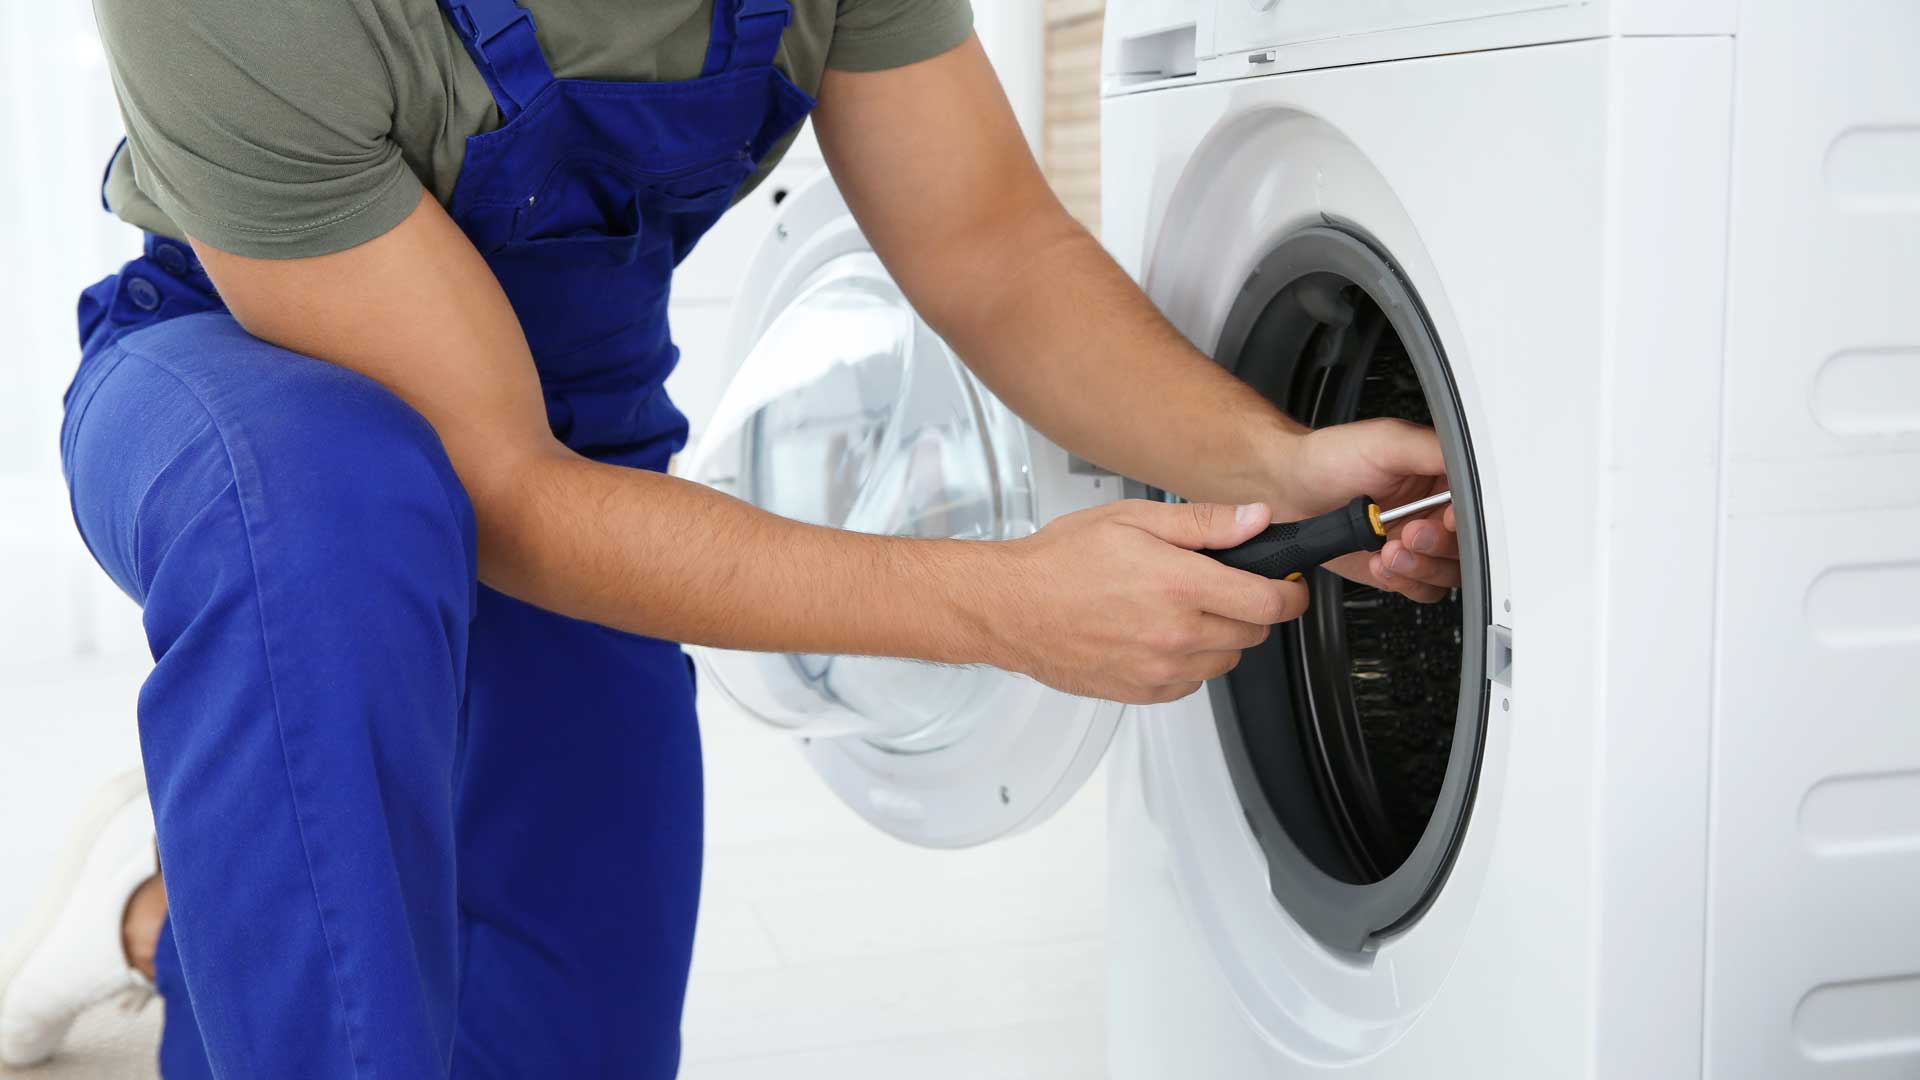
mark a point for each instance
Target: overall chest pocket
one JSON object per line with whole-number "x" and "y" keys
{"x": 595, "y": 208}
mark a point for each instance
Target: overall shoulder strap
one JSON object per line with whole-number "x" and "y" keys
{"x": 499, "y": 35}
{"x": 746, "y": 34}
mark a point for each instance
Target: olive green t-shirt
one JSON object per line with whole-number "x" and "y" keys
{"x": 290, "y": 128}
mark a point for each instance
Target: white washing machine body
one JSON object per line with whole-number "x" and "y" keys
{"x": 1661, "y": 248}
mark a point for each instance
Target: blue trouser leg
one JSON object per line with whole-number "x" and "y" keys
{"x": 579, "y": 831}
{"x": 182, "y": 1054}
{"x": 409, "y": 827}
{"x": 305, "y": 559}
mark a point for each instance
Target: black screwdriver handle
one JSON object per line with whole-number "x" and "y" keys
{"x": 1290, "y": 549}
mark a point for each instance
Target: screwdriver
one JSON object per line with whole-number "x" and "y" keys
{"x": 1288, "y": 550}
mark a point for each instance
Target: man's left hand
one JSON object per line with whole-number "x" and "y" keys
{"x": 1394, "y": 463}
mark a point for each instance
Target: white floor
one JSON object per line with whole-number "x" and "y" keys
{"x": 826, "y": 949}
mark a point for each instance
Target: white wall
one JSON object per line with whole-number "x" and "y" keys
{"x": 58, "y": 123}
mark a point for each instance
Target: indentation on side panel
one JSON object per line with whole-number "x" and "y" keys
{"x": 1875, "y": 168}
{"x": 1864, "y": 1018}
{"x": 1854, "y": 607}
{"x": 1862, "y": 814}
{"x": 1869, "y": 392}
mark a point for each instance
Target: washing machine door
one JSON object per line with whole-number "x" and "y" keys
{"x": 845, "y": 409}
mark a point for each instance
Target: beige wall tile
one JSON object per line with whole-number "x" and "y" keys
{"x": 1070, "y": 144}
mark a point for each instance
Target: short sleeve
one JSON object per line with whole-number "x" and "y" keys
{"x": 873, "y": 35}
{"x": 261, "y": 127}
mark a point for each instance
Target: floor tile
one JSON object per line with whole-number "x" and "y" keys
{"x": 900, "y": 996}
{"x": 1069, "y": 1050}
{"x": 732, "y": 938}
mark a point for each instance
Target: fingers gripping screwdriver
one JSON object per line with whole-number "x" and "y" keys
{"x": 1288, "y": 550}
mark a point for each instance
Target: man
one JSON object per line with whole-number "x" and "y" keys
{"x": 374, "y": 432}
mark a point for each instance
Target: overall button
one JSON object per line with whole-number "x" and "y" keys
{"x": 171, "y": 257}
{"x": 143, "y": 294}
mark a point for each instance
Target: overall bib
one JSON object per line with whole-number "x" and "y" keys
{"x": 412, "y": 827}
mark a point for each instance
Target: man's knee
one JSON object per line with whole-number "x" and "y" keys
{"x": 334, "y": 475}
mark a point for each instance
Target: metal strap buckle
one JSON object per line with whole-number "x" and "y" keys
{"x": 751, "y": 10}
{"x": 482, "y": 36}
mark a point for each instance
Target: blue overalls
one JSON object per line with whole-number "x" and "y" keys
{"x": 412, "y": 827}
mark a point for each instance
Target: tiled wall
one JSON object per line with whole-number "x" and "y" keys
{"x": 1071, "y": 143}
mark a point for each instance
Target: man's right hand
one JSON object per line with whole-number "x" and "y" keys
{"x": 1116, "y": 602}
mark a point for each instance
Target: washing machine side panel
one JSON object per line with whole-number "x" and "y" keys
{"x": 1827, "y": 238}
{"x": 1814, "y": 962}
{"x": 1147, "y": 139}
{"x": 1515, "y": 235}
{"x": 1127, "y": 139}
{"x": 1595, "y": 206}
{"x": 1666, "y": 17}
{"x": 1169, "y": 1011}
{"x": 1666, "y": 288}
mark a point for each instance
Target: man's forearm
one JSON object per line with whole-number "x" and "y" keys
{"x": 655, "y": 555}
{"x": 1071, "y": 343}
{"x": 934, "y": 166}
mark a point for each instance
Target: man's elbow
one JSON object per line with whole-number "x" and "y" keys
{"x": 508, "y": 483}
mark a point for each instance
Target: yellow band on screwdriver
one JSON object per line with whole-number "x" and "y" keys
{"x": 1296, "y": 576}
{"x": 1373, "y": 515}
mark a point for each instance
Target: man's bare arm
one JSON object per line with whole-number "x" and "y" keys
{"x": 419, "y": 311}
{"x": 933, "y": 164}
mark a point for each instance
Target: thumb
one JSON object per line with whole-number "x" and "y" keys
{"x": 1198, "y": 525}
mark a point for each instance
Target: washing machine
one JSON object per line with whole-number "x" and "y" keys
{"x": 1642, "y": 798}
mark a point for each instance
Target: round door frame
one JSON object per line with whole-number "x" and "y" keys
{"x": 1017, "y": 767}
{"x": 1341, "y": 914}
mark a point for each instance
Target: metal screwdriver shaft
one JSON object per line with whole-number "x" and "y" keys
{"x": 1419, "y": 506}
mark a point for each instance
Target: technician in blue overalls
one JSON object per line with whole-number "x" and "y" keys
{"x": 375, "y": 433}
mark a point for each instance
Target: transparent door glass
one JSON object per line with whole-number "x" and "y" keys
{"x": 850, "y": 412}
